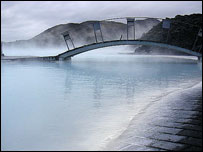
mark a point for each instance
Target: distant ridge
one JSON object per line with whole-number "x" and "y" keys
{"x": 81, "y": 33}
{"x": 182, "y": 33}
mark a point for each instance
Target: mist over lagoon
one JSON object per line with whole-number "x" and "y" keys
{"x": 74, "y": 105}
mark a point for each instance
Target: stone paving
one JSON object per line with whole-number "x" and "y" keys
{"x": 170, "y": 124}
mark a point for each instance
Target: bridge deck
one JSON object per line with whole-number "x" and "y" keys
{"x": 93, "y": 46}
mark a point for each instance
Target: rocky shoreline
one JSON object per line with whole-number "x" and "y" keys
{"x": 172, "y": 123}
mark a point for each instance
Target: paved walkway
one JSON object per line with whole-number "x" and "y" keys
{"x": 27, "y": 58}
{"x": 172, "y": 123}
{"x": 17, "y": 57}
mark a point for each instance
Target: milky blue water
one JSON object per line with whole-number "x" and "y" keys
{"x": 86, "y": 102}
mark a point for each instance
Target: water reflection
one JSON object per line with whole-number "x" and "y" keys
{"x": 75, "y": 105}
{"x": 125, "y": 79}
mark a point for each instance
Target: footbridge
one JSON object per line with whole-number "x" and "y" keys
{"x": 73, "y": 52}
{"x": 127, "y": 38}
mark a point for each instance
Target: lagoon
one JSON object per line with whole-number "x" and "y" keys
{"x": 84, "y": 103}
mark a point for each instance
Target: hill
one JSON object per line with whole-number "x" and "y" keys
{"x": 81, "y": 33}
{"x": 183, "y": 33}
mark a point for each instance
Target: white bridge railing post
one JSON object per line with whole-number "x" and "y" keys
{"x": 130, "y": 23}
{"x": 67, "y": 37}
{"x": 96, "y": 27}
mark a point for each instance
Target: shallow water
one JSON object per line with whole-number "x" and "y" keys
{"x": 85, "y": 103}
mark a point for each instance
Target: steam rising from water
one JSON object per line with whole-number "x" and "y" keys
{"x": 34, "y": 51}
{"x": 114, "y": 53}
{"x": 84, "y": 103}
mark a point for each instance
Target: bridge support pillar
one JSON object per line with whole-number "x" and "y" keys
{"x": 64, "y": 59}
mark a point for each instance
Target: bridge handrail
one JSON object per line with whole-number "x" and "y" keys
{"x": 166, "y": 25}
{"x": 132, "y": 17}
{"x": 109, "y": 19}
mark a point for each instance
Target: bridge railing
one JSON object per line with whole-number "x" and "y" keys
{"x": 100, "y": 31}
{"x": 124, "y": 28}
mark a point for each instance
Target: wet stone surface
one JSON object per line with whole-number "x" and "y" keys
{"x": 170, "y": 124}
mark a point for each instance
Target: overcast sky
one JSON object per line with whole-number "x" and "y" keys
{"x": 23, "y": 20}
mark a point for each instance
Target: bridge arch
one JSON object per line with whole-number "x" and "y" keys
{"x": 85, "y": 48}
